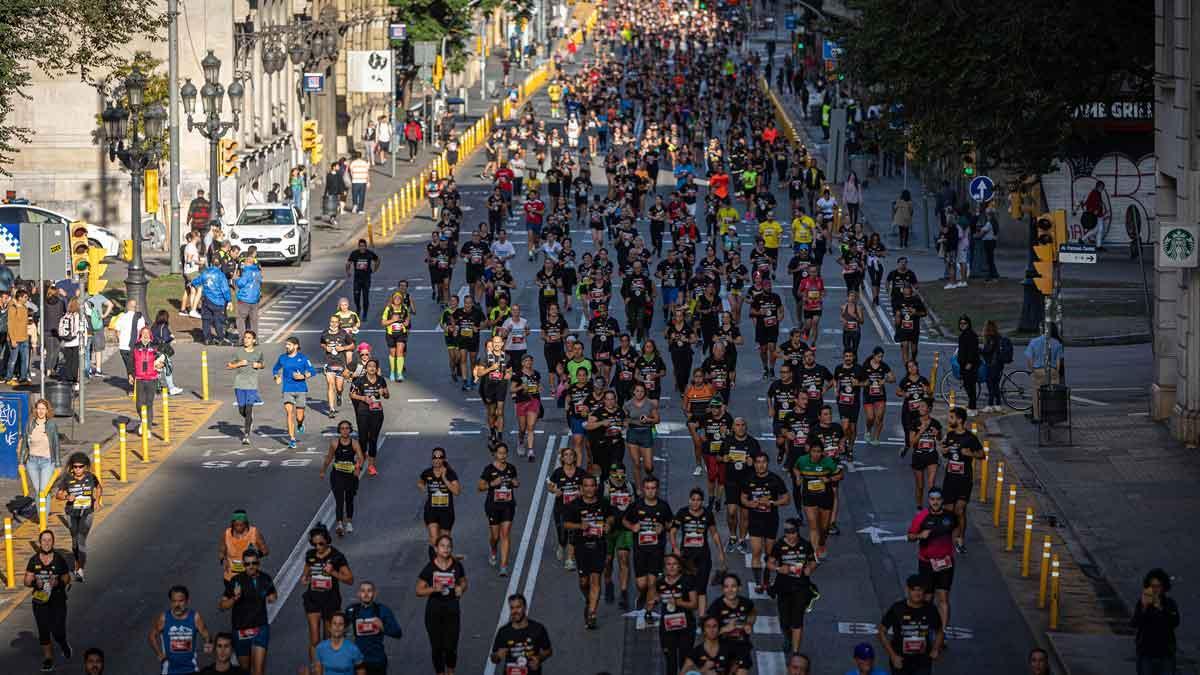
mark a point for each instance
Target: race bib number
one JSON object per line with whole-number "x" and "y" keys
{"x": 82, "y": 502}
{"x": 738, "y": 457}
{"x": 956, "y": 467}
{"x": 714, "y": 447}
{"x": 814, "y": 295}
{"x": 875, "y": 390}
{"x": 816, "y": 485}
{"x": 769, "y": 321}
{"x": 851, "y": 325}
{"x": 593, "y": 528}
{"x": 345, "y": 467}
{"x": 914, "y": 645}
{"x": 443, "y": 580}
{"x": 925, "y": 445}
{"x": 570, "y": 495}
{"x": 648, "y": 538}
{"x": 321, "y": 582}
{"x": 513, "y": 669}
{"x": 549, "y": 292}
{"x": 846, "y": 398}
{"x": 181, "y": 644}
{"x": 236, "y": 566}
{"x": 676, "y": 621}
{"x": 42, "y": 594}
{"x": 365, "y": 627}
{"x": 503, "y": 494}
{"x": 620, "y": 500}
{"x": 440, "y": 499}
{"x": 247, "y": 633}
{"x": 466, "y": 332}
{"x": 906, "y": 324}
{"x": 943, "y": 563}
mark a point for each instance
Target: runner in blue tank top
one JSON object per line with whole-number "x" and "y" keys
{"x": 174, "y": 635}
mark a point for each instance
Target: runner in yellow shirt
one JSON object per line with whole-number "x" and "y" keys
{"x": 770, "y": 230}
{"x": 726, "y": 216}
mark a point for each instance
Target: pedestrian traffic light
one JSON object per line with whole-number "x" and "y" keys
{"x": 308, "y": 134}
{"x": 1045, "y": 251}
{"x": 78, "y": 246}
{"x": 96, "y": 268}
{"x": 968, "y": 159}
{"x": 229, "y": 157}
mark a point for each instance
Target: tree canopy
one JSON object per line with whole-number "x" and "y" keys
{"x": 434, "y": 19}
{"x": 64, "y": 37}
{"x": 1009, "y": 77}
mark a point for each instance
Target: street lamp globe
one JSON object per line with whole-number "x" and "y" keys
{"x": 299, "y": 53}
{"x": 155, "y": 119}
{"x": 219, "y": 99}
{"x": 237, "y": 93}
{"x": 135, "y": 87}
{"x": 331, "y": 45}
{"x": 188, "y": 93}
{"x": 211, "y": 66}
{"x": 113, "y": 124}
{"x": 208, "y": 95}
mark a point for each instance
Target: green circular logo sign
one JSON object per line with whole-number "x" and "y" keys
{"x": 1178, "y": 244}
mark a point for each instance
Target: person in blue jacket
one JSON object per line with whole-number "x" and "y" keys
{"x": 369, "y": 622}
{"x": 215, "y": 300}
{"x": 292, "y": 370}
{"x": 249, "y": 291}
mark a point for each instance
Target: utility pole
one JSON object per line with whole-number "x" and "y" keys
{"x": 173, "y": 88}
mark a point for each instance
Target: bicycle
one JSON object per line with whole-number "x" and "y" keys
{"x": 1016, "y": 388}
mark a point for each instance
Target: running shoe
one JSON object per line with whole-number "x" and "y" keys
{"x": 79, "y": 576}
{"x": 590, "y": 622}
{"x": 300, "y": 428}
{"x": 292, "y": 443}
{"x": 338, "y": 530}
{"x": 531, "y": 456}
{"x": 834, "y": 529}
{"x": 731, "y": 545}
{"x": 558, "y": 553}
{"x": 48, "y": 666}
{"x": 245, "y": 439}
{"x": 960, "y": 548}
{"x": 698, "y": 471}
{"x": 651, "y": 618}
{"x": 569, "y": 564}
{"x": 339, "y": 402}
{"x": 371, "y": 470}
{"x": 400, "y": 378}
{"x": 349, "y": 527}
{"x": 812, "y": 601}
{"x": 904, "y": 451}
{"x": 504, "y": 570}
{"x": 743, "y": 547}
{"x": 492, "y": 559}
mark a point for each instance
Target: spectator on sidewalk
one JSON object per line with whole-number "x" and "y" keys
{"x": 129, "y": 325}
{"x": 199, "y": 213}
{"x": 297, "y": 189}
{"x": 52, "y": 314}
{"x": 5, "y": 304}
{"x": 249, "y": 292}
{"x": 70, "y": 335}
{"x": 852, "y": 196}
{"x": 6, "y": 275}
{"x": 997, "y": 353}
{"x": 902, "y": 216}
{"x": 331, "y": 199}
{"x": 383, "y": 140}
{"x": 1155, "y": 618}
{"x": 946, "y": 199}
{"x": 163, "y": 339}
{"x": 1040, "y": 352}
{"x": 412, "y": 135}
{"x": 215, "y": 297}
{"x": 369, "y": 142}
{"x": 148, "y": 362}
{"x": 97, "y": 309}
{"x": 39, "y": 451}
{"x": 360, "y": 180}
{"x": 255, "y": 195}
{"x": 988, "y": 231}
{"x": 17, "y": 366}
{"x": 947, "y": 246}
{"x": 968, "y": 362}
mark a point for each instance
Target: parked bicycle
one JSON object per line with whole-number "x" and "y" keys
{"x": 1016, "y": 387}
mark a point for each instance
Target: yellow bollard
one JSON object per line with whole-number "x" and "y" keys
{"x": 50, "y": 483}
{"x": 983, "y": 471}
{"x": 133, "y": 395}
{"x": 10, "y": 580}
{"x": 975, "y": 428}
{"x": 394, "y": 205}
{"x": 145, "y": 433}
{"x": 933, "y": 373}
{"x": 1027, "y": 542}
{"x": 204, "y": 374}
{"x": 42, "y": 513}
{"x": 97, "y": 460}
{"x": 370, "y": 233}
{"x": 166, "y": 415}
{"x": 383, "y": 219}
{"x": 1054, "y": 581}
{"x": 24, "y": 479}
{"x": 1045, "y": 572}
{"x": 999, "y": 494}
{"x": 1011, "y": 517}
{"x": 123, "y": 435}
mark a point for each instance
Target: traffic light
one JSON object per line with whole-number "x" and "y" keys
{"x": 308, "y": 134}
{"x": 78, "y": 245}
{"x": 229, "y": 157}
{"x": 96, "y": 267}
{"x": 127, "y": 250}
{"x": 318, "y": 149}
{"x": 1014, "y": 205}
{"x": 968, "y": 159}
{"x": 1045, "y": 252}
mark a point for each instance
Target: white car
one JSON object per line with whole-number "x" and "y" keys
{"x": 278, "y": 231}
{"x": 15, "y": 214}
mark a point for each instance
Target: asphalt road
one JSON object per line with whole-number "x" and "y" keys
{"x": 168, "y": 531}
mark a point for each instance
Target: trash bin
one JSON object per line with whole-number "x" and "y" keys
{"x": 61, "y": 398}
{"x": 1055, "y": 401}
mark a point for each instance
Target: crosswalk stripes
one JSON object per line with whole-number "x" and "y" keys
{"x": 296, "y": 298}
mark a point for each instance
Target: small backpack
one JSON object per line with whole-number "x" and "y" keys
{"x": 22, "y": 507}
{"x": 67, "y": 327}
{"x": 1006, "y": 350}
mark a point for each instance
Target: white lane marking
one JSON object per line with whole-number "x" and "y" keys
{"x": 770, "y": 663}
{"x": 476, "y": 432}
{"x": 526, "y": 532}
{"x": 305, "y": 283}
{"x": 878, "y": 318}
{"x": 308, "y": 307}
{"x": 1087, "y": 400}
{"x": 402, "y": 433}
{"x": 1108, "y": 388}
{"x": 289, "y": 572}
{"x": 535, "y": 564}
{"x": 422, "y": 400}
{"x": 767, "y": 625}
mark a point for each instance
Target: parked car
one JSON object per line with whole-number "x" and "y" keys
{"x": 278, "y": 231}
{"x": 12, "y": 215}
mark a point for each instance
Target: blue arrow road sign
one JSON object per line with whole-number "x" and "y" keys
{"x": 982, "y": 188}
{"x": 789, "y": 22}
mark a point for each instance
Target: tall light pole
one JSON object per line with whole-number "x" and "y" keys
{"x": 137, "y": 149}
{"x": 212, "y": 95}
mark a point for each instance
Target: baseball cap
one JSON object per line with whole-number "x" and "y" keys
{"x": 864, "y": 651}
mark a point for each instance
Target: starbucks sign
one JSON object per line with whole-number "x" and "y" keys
{"x": 1177, "y": 246}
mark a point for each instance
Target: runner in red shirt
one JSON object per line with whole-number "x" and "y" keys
{"x": 504, "y": 180}
{"x": 535, "y": 208}
{"x": 812, "y": 295}
{"x": 933, "y": 529}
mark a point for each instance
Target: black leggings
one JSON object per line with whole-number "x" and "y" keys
{"x": 681, "y": 364}
{"x": 657, "y": 229}
{"x": 876, "y": 276}
{"x": 80, "y": 525}
{"x": 443, "y": 625}
{"x": 247, "y": 412}
{"x": 970, "y": 380}
{"x": 370, "y": 422}
{"x": 675, "y": 646}
{"x": 362, "y": 296}
{"x": 51, "y": 619}
{"x": 343, "y": 486}
{"x": 851, "y": 340}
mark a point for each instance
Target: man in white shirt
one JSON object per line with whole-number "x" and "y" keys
{"x": 129, "y": 324}
{"x": 360, "y": 180}
{"x": 515, "y": 330}
{"x": 503, "y": 249}
{"x": 825, "y": 205}
{"x": 383, "y": 139}
{"x": 255, "y": 196}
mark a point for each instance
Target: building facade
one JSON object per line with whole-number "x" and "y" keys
{"x": 1175, "y": 394}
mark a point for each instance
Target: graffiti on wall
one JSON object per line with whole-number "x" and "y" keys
{"x": 1127, "y": 193}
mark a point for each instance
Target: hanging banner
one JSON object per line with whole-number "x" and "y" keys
{"x": 370, "y": 71}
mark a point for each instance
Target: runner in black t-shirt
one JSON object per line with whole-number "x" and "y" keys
{"x": 362, "y": 263}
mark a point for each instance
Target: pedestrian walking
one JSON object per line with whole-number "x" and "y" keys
{"x": 51, "y": 314}
{"x": 129, "y": 325}
{"x": 331, "y": 199}
{"x": 40, "y": 452}
{"x": 369, "y": 138}
{"x": 96, "y": 309}
{"x": 1155, "y": 618}
{"x": 412, "y": 135}
{"x": 164, "y": 340}
{"x": 852, "y": 197}
{"x": 370, "y": 622}
{"x": 49, "y": 577}
{"x": 902, "y": 216}
{"x": 383, "y": 140}
{"x": 148, "y": 362}
{"x": 248, "y": 283}
{"x": 360, "y": 180}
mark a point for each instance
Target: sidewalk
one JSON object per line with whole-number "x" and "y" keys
{"x": 1125, "y": 494}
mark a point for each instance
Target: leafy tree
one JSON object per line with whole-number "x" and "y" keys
{"x": 157, "y": 91}
{"x": 63, "y": 37}
{"x": 1007, "y": 76}
{"x": 432, "y": 20}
